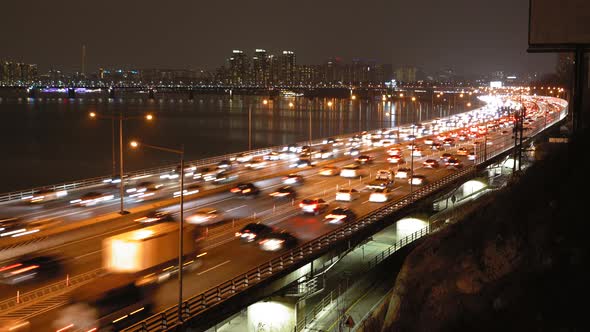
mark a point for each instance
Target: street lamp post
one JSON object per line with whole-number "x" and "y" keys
{"x": 121, "y": 118}
{"x": 413, "y": 146}
{"x": 180, "y": 152}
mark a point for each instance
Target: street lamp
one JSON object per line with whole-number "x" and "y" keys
{"x": 413, "y": 145}
{"x": 135, "y": 145}
{"x": 148, "y": 117}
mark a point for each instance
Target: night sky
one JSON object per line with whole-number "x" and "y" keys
{"x": 471, "y": 36}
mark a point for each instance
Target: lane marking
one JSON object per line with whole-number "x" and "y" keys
{"x": 214, "y": 267}
{"x": 239, "y": 207}
{"x": 88, "y": 254}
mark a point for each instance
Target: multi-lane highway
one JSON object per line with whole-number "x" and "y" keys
{"x": 224, "y": 256}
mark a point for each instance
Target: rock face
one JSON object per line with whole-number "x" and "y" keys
{"x": 517, "y": 264}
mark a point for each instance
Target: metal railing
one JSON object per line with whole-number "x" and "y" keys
{"x": 96, "y": 181}
{"x": 20, "y": 300}
{"x": 330, "y": 297}
{"x": 228, "y": 289}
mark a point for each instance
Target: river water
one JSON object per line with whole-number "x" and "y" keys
{"x": 51, "y": 139}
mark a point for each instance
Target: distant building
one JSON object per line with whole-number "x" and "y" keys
{"x": 238, "y": 68}
{"x": 17, "y": 73}
{"x": 260, "y": 68}
{"x": 406, "y": 74}
{"x": 287, "y": 67}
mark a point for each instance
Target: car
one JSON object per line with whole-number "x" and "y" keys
{"x": 92, "y": 198}
{"x": 394, "y": 151}
{"x": 340, "y": 215}
{"x": 396, "y": 159}
{"x": 256, "y": 164}
{"x": 293, "y": 179}
{"x": 313, "y": 206}
{"x": 284, "y": 192}
{"x": 209, "y": 174}
{"x": 301, "y": 163}
{"x": 323, "y": 154}
{"x": 453, "y": 163}
{"x": 431, "y": 163}
{"x": 381, "y": 195}
{"x": 156, "y": 217}
{"x": 329, "y": 140}
{"x": 205, "y": 216}
{"x": 364, "y": 159}
{"x": 277, "y": 240}
{"x": 448, "y": 142}
{"x": 144, "y": 191}
{"x": 27, "y": 268}
{"x": 471, "y": 155}
{"x": 247, "y": 189}
{"x": 329, "y": 171}
{"x": 379, "y": 184}
{"x": 428, "y": 141}
{"x": 15, "y": 325}
{"x": 191, "y": 189}
{"x": 253, "y": 231}
{"x": 225, "y": 177}
{"x": 445, "y": 156}
{"x": 347, "y": 194}
{"x": 436, "y": 147}
{"x": 417, "y": 179}
{"x": 45, "y": 195}
{"x": 462, "y": 151}
{"x": 353, "y": 171}
{"x": 402, "y": 173}
{"x": 353, "y": 152}
{"x": 272, "y": 156}
{"x": 417, "y": 152}
{"x": 243, "y": 157}
{"x": 11, "y": 226}
{"x": 225, "y": 164}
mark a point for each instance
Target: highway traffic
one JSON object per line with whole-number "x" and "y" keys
{"x": 330, "y": 182}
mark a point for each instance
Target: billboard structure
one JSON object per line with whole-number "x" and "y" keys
{"x": 563, "y": 26}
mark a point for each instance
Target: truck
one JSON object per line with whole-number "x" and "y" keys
{"x": 135, "y": 262}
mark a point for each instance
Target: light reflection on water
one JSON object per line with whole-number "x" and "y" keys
{"x": 51, "y": 139}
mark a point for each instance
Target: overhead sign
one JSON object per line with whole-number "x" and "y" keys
{"x": 559, "y": 23}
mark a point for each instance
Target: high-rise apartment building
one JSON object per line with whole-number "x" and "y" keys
{"x": 238, "y": 65}
{"x": 287, "y": 67}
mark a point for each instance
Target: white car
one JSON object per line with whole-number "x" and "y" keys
{"x": 381, "y": 195}
{"x": 92, "y": 198}
{"x": 402, "y": 173}
{"x": 417, "y": 179}
{"x": 205, "y": 216}
{"x": 347, "y": 195}
{"x": 416, "y": 152}
{"x": 353, "y": 171}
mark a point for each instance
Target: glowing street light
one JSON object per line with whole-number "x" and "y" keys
{"x": 291, "y": 104}
{"x": 329, "y": 104}
{"x": 120, "y": 117}
{"x": 180, "y": 152}
{"x": 353, "y": 97}
{"x": 265, "y": 102}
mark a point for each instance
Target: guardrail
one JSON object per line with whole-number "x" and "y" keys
{"x": 96, "y": 181}
{"x": 20, "y": 300}
{"x": 201, "y": 302}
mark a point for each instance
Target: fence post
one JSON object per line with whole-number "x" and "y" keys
{"x": 67, "y": 279}
{"x": 17, "y": 297}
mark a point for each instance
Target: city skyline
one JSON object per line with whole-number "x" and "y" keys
{"x": 452, "y": 35}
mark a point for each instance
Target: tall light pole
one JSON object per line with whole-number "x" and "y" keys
{"x": 121, "y": 118}
{"x": 135, "y": 144}
{"x": 413, "y": 146}
{"x": 249, "y": 127}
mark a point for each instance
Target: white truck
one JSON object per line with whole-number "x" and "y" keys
{"x": 383, "y": 179}
{"x": 134, "y": 262}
